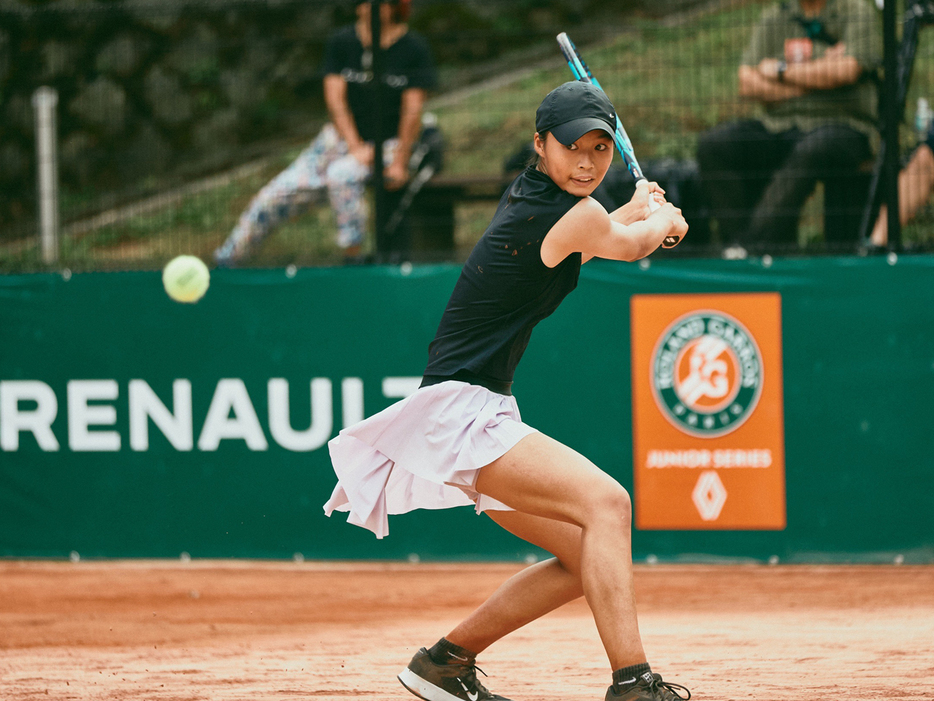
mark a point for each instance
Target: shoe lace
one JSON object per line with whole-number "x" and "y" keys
{"x": 470, "y": 678}
{"x": 669, "y": 688}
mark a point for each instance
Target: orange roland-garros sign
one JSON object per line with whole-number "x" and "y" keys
{"x": 708, "y": 434}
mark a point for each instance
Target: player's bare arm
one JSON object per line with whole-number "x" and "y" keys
{"x": 588, "y": 228}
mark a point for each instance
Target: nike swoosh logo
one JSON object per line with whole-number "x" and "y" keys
{"x": 472, "y": 695}
{"x": 629, "y": 681}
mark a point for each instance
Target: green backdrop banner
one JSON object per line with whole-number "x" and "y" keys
{"x": 133, "y": 426}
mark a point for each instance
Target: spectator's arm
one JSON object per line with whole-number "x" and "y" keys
{"x": 756, "y": 86}
{"x": 834, "y": 69}
{"x": 410, "y": 125}
{"x": 335, "y": 97}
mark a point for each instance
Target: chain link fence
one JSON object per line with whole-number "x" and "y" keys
{"x": 169, "y": 117}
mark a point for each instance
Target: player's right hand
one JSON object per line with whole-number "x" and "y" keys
{"x": 671, "y": 222}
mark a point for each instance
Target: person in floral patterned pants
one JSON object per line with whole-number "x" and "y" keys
{"x": 339, "y": 160}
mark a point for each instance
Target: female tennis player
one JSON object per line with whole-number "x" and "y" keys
{"x": 459, "y": 439}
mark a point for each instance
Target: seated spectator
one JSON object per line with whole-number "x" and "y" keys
{"x": 340, "y": 159}
{"x": 810, "y": 64}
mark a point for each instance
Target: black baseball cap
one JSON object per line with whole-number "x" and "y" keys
{"x": 571, "y": 110}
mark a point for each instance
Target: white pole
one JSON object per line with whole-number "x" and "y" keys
{"x": 44, "y": 102}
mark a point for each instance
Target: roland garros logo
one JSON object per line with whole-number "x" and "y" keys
{"x": 706, "y": 374}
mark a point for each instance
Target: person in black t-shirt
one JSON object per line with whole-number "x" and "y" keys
{"x": 459, "y": 439}
{"x": 340, "y": 159}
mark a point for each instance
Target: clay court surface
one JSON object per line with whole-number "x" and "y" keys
{"x": 263, "y": 630}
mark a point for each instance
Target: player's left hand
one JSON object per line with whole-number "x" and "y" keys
{"x": 647, "y": 198}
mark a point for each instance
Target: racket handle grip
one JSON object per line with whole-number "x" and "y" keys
{"x": 670, "y": 241}
{"x": 653, "y": 203}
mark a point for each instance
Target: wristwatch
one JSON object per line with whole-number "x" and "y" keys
{"x": 782, "y": 67}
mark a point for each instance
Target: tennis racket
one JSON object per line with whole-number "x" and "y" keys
{"x": 620, "y": 137}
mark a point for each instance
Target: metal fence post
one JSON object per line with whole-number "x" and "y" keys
{"x": 893, "y": 110}
{"x": 379, "y": 190}
{"x": 44, "y": 102}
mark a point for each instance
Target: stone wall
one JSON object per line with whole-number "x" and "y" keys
{"x": 149, "y": 93}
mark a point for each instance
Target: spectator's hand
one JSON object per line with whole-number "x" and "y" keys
{"x": 395, "y": 175}
{"x": 768, "y": 67}
{"x": 363, "y": 152}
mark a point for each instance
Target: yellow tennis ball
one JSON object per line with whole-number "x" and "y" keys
{"x": 186, "y": 278}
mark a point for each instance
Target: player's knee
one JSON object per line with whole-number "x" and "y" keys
{"x": 613, "y": 506}
{"x": 569, "y": 561}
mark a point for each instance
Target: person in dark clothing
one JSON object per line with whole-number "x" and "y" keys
{"x": 810, "y": 64}
{"x": 459, "y": 439}
{"x": 340, "y": 159}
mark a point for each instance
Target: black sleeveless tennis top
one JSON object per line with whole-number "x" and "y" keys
{"x": 504, "y": 289}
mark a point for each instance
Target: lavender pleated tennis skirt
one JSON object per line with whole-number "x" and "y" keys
{"x": 423, "y": 452}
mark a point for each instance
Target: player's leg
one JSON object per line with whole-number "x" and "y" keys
{"x": 447, "y": 671}
{"x": 542, "y": 477}
{"x": 551, "y": 485}
{"x": 532, "y": 592}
